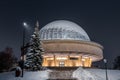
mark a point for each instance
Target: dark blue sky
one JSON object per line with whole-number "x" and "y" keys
{"x": 101, "y": 20}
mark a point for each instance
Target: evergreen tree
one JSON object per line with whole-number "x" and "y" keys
{"x": 7, "y": 59}
{"x": 34, "y": 57}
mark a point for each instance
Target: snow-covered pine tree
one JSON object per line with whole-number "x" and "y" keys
{"x": 34, "y": 57}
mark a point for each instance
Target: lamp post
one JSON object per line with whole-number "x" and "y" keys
{"x": 23, "y": 45}
{"x": 105, "y": 61}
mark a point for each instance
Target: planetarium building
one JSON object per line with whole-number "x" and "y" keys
{"x": 66, "y": 44}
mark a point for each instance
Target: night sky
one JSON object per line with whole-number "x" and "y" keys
{"x": 101, "y": 20}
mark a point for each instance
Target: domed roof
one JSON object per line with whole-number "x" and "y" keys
{"x": 63, "y": 30}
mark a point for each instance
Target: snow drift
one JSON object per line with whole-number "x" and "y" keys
{"x": 95, "y": 74}
{"x": 82, "y": 74}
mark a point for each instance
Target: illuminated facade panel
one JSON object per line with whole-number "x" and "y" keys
{"x": 66, "y": 61}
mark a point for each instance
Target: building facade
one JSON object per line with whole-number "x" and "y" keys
{"x": 66, "y": 44}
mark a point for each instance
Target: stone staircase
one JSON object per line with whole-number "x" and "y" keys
{"x": 61, "y": 79}
{"x": 62, "y": 73}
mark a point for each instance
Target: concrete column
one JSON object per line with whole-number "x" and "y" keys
{"x": 54, "y": 60}
{"x": 68, "y": 64}
{"x": 44, "y": 62}
{"x": 80, "y": 61}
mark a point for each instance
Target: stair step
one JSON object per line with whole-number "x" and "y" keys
{"x": 63, "y": 79}
{"x": 62, "y": 73}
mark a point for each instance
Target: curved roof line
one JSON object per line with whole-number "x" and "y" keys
{"x": 67, "y": 26}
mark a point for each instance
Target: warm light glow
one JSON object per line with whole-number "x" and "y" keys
{"x": 56, "y": 61}
{"x": 83, "y": 59}
{"x": 61, "y": 58}
{"x": 49, "y": 58}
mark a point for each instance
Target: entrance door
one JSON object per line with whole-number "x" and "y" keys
{"x": 61, "y": 63}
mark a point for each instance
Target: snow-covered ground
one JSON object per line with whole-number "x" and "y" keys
{"x": 39, "y": 75}
{"x": 112, "y": 74}
{"x": 80, "y": 74}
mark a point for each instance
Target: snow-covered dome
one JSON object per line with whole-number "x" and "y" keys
{"x": 63, "y": 30}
